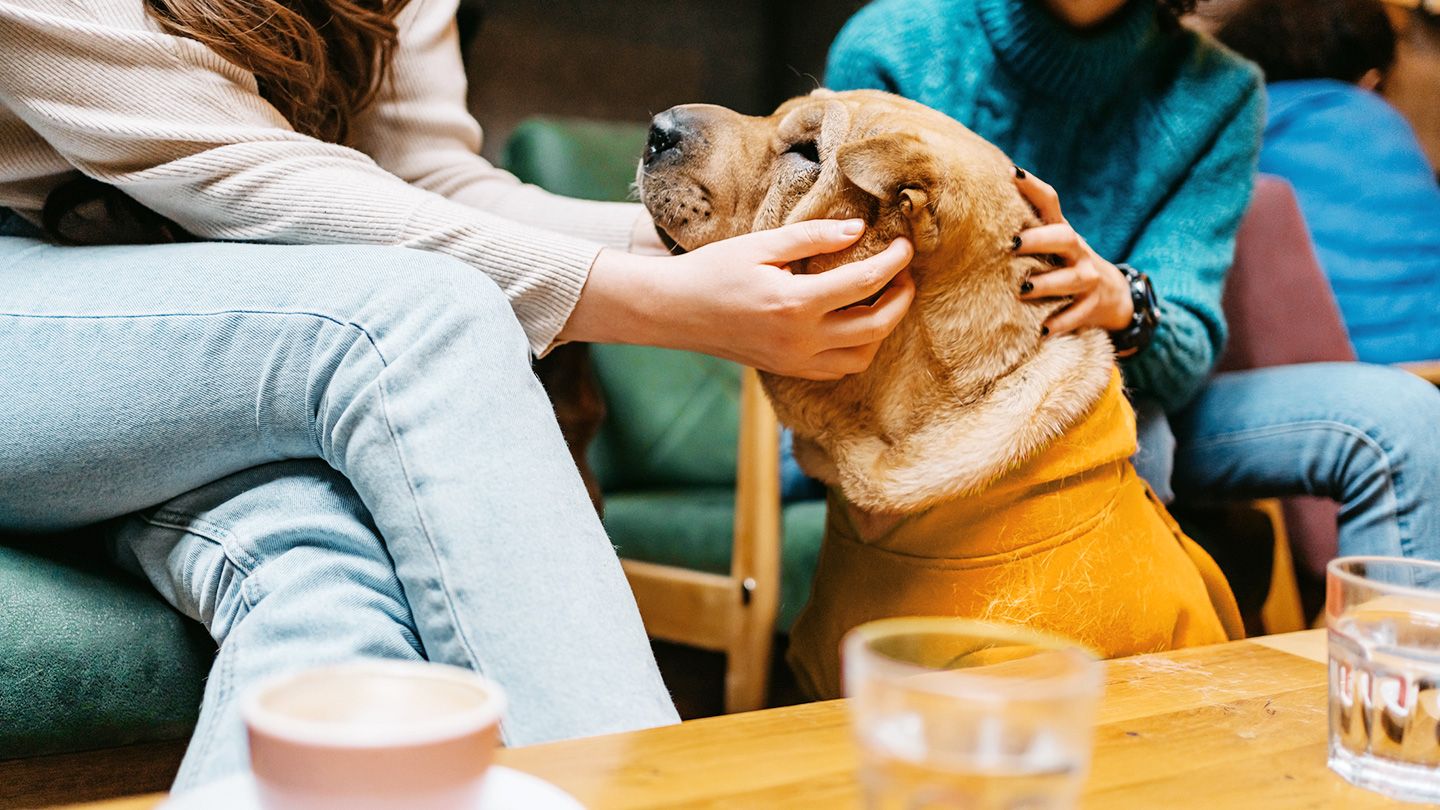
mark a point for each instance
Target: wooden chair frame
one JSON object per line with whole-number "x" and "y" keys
{"x": 89, "y": 776}
{"x": 734, "y": 613}
{"x": 1283, "y": 611}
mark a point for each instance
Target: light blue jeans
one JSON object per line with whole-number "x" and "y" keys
{"x": 323, "y": 454}
{"x": 1362, "y": 435}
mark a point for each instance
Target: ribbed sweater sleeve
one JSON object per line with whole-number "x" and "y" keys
{"x": 420, "y": 130}
{"x": 186, "y": 133}
{"x": 1187, "y": 248}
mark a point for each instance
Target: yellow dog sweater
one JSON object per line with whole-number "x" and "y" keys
{"x": 1071, "y": 541}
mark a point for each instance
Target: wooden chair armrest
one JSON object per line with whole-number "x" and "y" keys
{"x": 757, "y": 498}
{"x": 756, "y": 561}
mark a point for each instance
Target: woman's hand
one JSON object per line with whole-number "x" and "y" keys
{"x": 1100, "y": 292}
{"x": 737, "y": 299}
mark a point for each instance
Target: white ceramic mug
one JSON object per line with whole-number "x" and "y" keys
{"x": 373, "y": 735}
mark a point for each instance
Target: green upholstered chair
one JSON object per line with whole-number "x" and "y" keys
{"x": 91, "y": 660}
{"x": 687, "y": 456}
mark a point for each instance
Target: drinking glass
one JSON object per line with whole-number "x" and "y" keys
{"x": 956, "y": 713}
{"x": 1383, "y": 621}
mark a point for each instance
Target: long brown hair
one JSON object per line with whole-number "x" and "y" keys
{"x": 318, "y": 62}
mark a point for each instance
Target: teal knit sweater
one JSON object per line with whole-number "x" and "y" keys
{"x": 1149, "y": 135}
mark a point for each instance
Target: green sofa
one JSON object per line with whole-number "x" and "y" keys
{"x": 90, "y": 657}
{"x": 100, "y": 680}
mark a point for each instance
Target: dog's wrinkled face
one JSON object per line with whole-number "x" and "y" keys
{"x": 710, "y": 173}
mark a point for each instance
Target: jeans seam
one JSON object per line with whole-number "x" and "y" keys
{"x": 444, "y": 588}
{"x": 341, "y": 322}
{"x": 1288, "y": 427}
{"x": 209, "y": 314}
{"x": 1393, "y": 478}
{"x": 224, "y": 539}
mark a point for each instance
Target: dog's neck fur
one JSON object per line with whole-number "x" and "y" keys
{"x": 958, "y": 395}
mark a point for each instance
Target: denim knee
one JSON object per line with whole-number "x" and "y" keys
{"x": 445, "y": 294}
{"x": 1398, "y": 410}
{"x": 431, "y": 326}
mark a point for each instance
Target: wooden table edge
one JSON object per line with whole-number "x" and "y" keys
{"x": 1307, "y": 644}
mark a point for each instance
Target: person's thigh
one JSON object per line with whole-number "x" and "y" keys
{"x": 137, "y": 373}
{"x": 1360, "y": 434}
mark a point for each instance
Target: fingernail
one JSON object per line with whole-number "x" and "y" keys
{"x": 1044, "y": 330}
{"x": 1019, "y": 173}
{"x": 1026, "y": 287}
{"x": 1015, "y": 243}
{"x": 852, "y": 227}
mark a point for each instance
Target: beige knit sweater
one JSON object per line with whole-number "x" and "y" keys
{"x": 95, "y": 86}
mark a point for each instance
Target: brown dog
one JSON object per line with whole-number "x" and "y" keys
{"x": 975, "y": 468}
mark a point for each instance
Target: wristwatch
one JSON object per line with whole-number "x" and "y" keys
{"x": 1134, "y": 338}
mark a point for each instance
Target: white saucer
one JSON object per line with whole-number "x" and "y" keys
{"x": 505, "y": 789}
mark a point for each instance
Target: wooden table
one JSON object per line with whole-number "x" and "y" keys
{"x": 1234, "y": 726}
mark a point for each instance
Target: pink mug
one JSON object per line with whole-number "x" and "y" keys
{"x": 373, "y": 735}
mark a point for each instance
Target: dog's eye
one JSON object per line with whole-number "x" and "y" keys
{"x": 805, "y": 149}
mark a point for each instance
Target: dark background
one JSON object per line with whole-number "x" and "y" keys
{"x": 628, "y": 59}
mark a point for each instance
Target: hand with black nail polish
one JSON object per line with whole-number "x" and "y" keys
{"x": 1099, "y": 291}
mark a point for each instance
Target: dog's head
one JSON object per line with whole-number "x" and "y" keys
{"x": 710, "y": 173}
{"x": 907, "y": 170}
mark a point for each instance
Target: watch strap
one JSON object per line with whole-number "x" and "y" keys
{"x": 1137, "y": 335}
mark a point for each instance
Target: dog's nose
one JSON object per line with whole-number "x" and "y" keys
{"x": 665, "y": 136}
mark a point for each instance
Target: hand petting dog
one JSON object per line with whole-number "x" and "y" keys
{"x": 1100, "y": 293}
{"x": 737, "y": 299}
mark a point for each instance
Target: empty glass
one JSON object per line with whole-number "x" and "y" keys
{"x": 1383, "y": 616}
{"x": 954, "y": 713}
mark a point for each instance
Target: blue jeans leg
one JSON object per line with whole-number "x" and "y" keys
{"x": 1154, "y": 457}
{"x": 283, "y": 565}
{"x": 1362, "y": 435}
{"x": 139, "y": 374}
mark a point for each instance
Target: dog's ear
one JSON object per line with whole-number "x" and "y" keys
{"x": 896, "y": 170}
